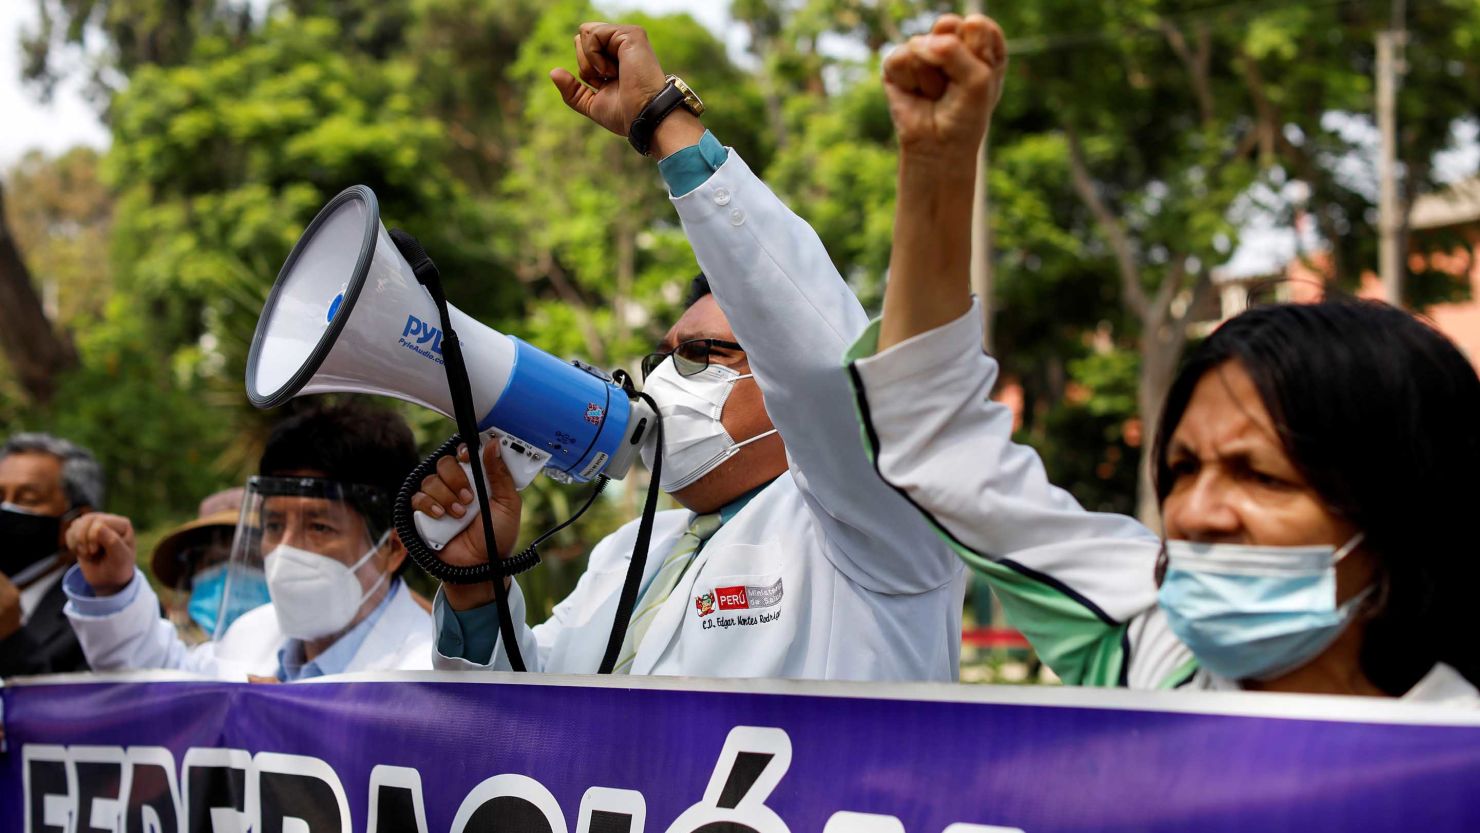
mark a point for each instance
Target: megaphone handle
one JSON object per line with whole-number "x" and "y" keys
{"x": 436, "y": 532}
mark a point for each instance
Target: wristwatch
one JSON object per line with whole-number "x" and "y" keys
{"x": 673, "y": 95}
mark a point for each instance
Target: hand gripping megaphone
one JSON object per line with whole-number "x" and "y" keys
{"x": 349, "y": 313}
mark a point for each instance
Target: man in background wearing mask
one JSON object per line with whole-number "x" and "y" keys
{"x": 790, "y": 558}
{"x": 45, "y": 484}
{"x": 193, "y": 560}
{"x": 318, "y": 521}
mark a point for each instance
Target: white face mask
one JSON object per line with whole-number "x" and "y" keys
{"x": 314, "y": 595}
{"x": 695, "y": 442}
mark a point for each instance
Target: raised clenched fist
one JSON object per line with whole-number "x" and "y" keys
{"x": 621, "y": 75}
{"x": 104, "y": 547}
{"x": 943, "y": 86}
{"x": 620, "y": 71}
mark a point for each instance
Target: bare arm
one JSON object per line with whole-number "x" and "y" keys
{"x": 942, "y": 88}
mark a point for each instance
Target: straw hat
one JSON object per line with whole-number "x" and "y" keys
{"x": 217, "y": 512}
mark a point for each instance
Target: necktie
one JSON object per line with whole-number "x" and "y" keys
{"x": 661, "y": 587}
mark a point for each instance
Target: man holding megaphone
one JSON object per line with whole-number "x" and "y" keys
{"x": 790, "y": 557}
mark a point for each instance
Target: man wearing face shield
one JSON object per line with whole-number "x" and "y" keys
{"x": 789, "y": 558}
{"x": 316, "y": 523}
{"x": 45, "y": 484}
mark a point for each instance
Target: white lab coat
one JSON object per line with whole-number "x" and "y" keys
{"x": 136, "y": 637}
{"x": 1080, "y": 585}
{"x": 849, "y": 582}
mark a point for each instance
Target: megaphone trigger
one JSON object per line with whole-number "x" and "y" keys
{"x": 524, "y": 462}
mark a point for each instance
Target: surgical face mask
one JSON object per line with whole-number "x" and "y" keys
{"x": 208, "y": 588}
{"x": 695, "y": 442}
{"x": 1250, "y": 612}
{"x": 26, "y": 537}
{"x": 315, "y": 595}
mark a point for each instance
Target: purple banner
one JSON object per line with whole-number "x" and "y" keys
{"x": 452, "y": 753}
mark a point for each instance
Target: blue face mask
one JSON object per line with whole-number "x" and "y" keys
{"x": 248, "y": 590}
{"x": 1250, "y": 612}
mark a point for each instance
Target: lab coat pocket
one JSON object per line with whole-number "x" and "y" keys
{"x": 738, "y": 625}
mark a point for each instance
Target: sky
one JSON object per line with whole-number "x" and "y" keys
{"x": 68, "y": 120}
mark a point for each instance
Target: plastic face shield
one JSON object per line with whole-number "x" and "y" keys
{"x": 202, "y": 572}
{"x": 323, "y": 517}
{"x": 241, "y": 589}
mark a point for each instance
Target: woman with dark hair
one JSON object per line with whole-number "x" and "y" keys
{"x": 1346, "y": 425}
{"x": 1314, "y": 463}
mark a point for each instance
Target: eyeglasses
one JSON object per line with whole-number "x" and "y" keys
{"x": 689, "y": 357}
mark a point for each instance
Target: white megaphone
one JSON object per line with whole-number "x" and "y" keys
{"x": 347, "y": 314}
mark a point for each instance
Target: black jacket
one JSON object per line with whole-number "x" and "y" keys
{"x": 46, "y": 643}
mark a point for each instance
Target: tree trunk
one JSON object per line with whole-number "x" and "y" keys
{"x": 626, "y": 245}
{"x": 1159, "y": 357}
{"x": 38, "y": 352}
{"x": 1163, "y": 338}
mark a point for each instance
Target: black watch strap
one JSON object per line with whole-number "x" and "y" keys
{"x": 640, "y": 132}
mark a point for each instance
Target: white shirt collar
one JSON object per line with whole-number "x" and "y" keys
{"x": 35, "y": 582}
{"x": 1446, "y": 686}
{"x": 1442, "y": 685}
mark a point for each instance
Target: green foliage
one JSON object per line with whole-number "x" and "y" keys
{"x": 1109, "y": 380}
{"x": 138, "y": 408}
{"x": 218, "y": 165}
{"x": 1092, "y": 436}
{"x": 230, "y": 131}
{"x": 598, "y": 244}
{"x": 63, "y": 213}
{"x": 113, "y": 38}
{"x": 839, "y": 173}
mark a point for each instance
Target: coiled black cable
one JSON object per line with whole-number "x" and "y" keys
{"x": 496, "y": 568}
{"x": 426, "y": 557}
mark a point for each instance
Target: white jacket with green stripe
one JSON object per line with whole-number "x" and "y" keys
{"x": 1080, "y": 585}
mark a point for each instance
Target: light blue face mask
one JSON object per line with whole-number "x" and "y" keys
{"x": 1252, "y": 612}
{"x": 248, "y": 590}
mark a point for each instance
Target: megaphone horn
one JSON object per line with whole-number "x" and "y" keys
{"x": 347, "y": 314}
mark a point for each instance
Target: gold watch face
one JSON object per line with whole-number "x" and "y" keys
{"x": 690, "y": 99}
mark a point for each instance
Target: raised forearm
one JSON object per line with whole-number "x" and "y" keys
{"x": 930, "y": 267}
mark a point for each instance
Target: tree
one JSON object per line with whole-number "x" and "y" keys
{"x": 36, "y": 350}
{"x": 1210, "y": 103}
{"x": 597, "y": 245}
{"x": 61, "y": 213}
{"x": 1308, "y": 73}
{"x": 1131, "y": 141}
{"x": 218, "y": 164}
{"x": 462, "y": 51}
{"x": 115, "y": 37}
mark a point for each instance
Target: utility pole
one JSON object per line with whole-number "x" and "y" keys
{"x": 981, "y": 225}
{"x": 1390, "y": 207}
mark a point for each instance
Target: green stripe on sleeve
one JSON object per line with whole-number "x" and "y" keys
{"x": 1080, "y": 647}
